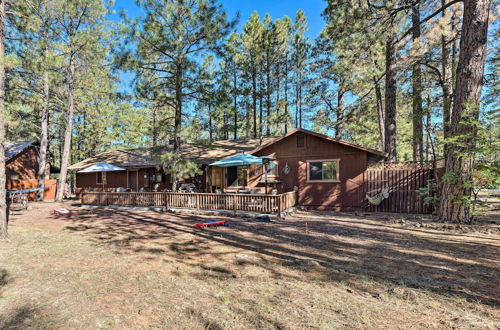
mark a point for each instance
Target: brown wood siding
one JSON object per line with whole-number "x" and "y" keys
{"x": 344, "y": 195}
{"x": 24, "y": 164}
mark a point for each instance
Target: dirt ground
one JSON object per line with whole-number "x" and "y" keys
{"x": 145, "y": 269}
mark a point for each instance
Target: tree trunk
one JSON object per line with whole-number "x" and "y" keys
{"x": 235, "y": 104}
{"x": 286, "y": 93}
{"x": 178, "y": 109}
{"x": 297, "y": 100}
{"x": 4, "y": 216}
{"x": 210, "y": 128}
{"x": 260, "y": 104}
{"x": 339, "y": 127}
{"x": 390, "y": 99}
{"x": 300, "y": 100}
{"x": 268, "y": 92}
{"x": 380, "y": 113}
{"x": 456, "y": 188}
{"x": 254, "y": 100}
{"x": 247, "y": 106}
{"x": 44, "y": 136}
{"x": 68, "y": 131}
{"x": 155, "y": 134}
{"x": 417, "y": 116}
{"x": 446, "y": 83}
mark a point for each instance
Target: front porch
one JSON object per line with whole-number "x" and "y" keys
{"x": 259, "y": 203}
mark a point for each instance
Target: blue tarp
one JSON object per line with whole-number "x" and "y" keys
{"x": 101, "y": 167}
{"x": 238, "y": 160}
{"x": 22, "y": 191}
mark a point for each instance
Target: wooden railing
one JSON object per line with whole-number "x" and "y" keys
{"x": 237, "y": 202}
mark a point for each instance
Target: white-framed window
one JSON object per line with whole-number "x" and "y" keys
{"x": 101, "y": 177}
{"x": 323, "y": 170}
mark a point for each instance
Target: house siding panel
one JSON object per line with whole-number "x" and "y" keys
{"x": 343, "y": 195}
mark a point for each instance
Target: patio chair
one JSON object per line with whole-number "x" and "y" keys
{"x": 155, "y": 187}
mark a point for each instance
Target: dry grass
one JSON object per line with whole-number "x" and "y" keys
{"x": 142, "y": 269}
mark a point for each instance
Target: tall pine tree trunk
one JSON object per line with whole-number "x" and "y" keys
{"x": 286, "y": 93}
{"x": 456, "y": 188}
{"x": 4, "y": 216}
{"x": 44, "y": 135}
{"x": 380, "y": 113}
{"x": 68, "y": 131}
{"x": 261, "y": 94}
{"x": 235, "y": 104}
{"x": 446, "y": 83}
{"x": 390, "y": 99}
{"x": 417, "y": 115}
{"x": 268, "y": 93}
{"x": 254, "y": 100}
{"x": 339, "y": 128}
{"x": 300, "y": 100}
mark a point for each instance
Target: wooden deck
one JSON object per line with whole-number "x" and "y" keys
{"x": 238, "y": 202}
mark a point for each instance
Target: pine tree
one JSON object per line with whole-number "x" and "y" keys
{"x": 170, "y": 37}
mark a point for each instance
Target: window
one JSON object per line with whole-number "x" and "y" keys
{"x": 323, "y": 170}
{"x": 14, "y": 176}
{"x": 101, "y": 177}
{"x": 272, "y": 168}
{"x": 301, "y": 140}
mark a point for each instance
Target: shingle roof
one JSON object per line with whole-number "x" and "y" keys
{"x": 12, "y": 149}
{"x": 201, "y": 154}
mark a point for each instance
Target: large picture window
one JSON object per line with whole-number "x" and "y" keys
{"x": 323, "y": 170}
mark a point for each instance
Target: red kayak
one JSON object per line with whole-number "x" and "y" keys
{"x": 209, "y": 224}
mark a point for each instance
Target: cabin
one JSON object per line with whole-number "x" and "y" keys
{"x": 21, "y": 168}
{"x": 325, "y": 173}
{"x": 21, "y": 160}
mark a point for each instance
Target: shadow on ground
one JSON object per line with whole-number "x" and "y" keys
{"x": 342, "y": 248}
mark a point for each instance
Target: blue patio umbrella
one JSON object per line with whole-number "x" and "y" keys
{"x": 242, "y": 159}
{"x": 101, "y": 167}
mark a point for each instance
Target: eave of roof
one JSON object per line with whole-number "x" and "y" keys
{"x": 322, "y": 136}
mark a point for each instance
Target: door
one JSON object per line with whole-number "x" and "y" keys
{"x": 132, "y": 179}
